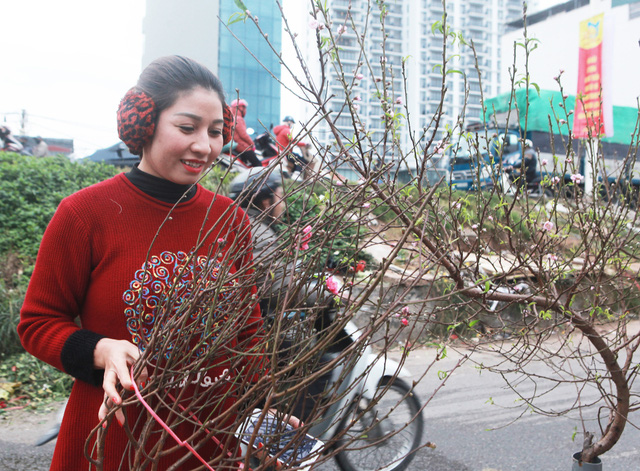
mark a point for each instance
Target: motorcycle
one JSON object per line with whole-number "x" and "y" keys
{"x": 298, "y": 161}
{"x": 266, "y": 151}
{"x": 11, "y": 143}
{"x": 380, "y": 410}
{"x": 368, "y": 409}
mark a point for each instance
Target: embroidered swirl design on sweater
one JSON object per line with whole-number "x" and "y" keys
{"x": 170, "y": 286}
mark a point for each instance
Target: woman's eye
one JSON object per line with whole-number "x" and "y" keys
{"x": 186, "y": 128}
{"x": 215, "y": 132}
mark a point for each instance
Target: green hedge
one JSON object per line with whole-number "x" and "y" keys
{"x": 30, "y": 190}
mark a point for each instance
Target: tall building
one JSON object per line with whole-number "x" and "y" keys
{"x": 196, "y": 30}
{"x": 481, "y": 22}
{"x": 411, "y": 44}
{"x": 250, "y": 73}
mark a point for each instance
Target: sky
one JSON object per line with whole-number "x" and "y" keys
{"x": 68, "y": 63}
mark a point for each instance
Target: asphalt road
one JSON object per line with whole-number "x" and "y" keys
{"x": 472, "y": 422}
{"x": 469, "y": 420}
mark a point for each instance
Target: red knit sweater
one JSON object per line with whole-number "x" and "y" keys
{"x": 89, "y": 268}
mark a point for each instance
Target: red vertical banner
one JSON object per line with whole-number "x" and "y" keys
{"x": 589, "y": 116}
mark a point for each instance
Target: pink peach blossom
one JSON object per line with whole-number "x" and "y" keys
{"x": 332, "y": 285}
{"x": 306, "y": 237}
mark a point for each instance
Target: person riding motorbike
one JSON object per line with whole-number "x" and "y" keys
{"x": 283, "y": 135}
{"x": 523, "y": 169}
{"x": 262, "y": 198}
{"x": 332, "y": 403}
{"x": 260, "y": 193}
{"x": 530, "y": 161}
{"x": 9, "y": 142}
{"x": 245, "y": 147}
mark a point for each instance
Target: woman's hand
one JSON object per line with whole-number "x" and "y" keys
{"x": 116, "y": 358}
{"x": 290, "y": 419}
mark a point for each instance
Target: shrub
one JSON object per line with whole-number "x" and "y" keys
{"x": 31, "y": 189}
{"x": 27, "y": 380}
{"x": 343, "y": 251}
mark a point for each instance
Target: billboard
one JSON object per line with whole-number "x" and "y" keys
{"x": 593, "y": 110}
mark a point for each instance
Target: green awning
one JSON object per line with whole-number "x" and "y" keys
{"x": 547, "y": 104}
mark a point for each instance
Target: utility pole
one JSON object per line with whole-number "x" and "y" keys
{"x": 23, "y": 122}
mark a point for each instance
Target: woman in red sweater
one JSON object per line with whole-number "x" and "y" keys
{"x": 121, "y": 258}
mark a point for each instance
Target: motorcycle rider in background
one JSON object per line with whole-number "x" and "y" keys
{"x": 245, "y": 147}
{"x": 283, "y": 135}
{"x": 9, "y": 142}
{"x": 263, "y": 201}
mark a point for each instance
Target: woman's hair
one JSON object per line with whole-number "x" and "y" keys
{"x": 166, "y": 78}
{"x": 160, "y": 85}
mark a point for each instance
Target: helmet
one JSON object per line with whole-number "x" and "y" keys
{"x": 289, "y": 119}
{"x": 239, "y": 102}
{"x": 254, "y": 186}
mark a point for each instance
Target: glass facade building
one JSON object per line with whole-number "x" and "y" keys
{"x": 238, "y": 69}
{"x": 196, "y": 31}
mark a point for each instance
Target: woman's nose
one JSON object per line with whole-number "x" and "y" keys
{"x": 201, "y": 143}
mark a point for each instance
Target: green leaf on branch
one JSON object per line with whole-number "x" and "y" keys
{"x": 236, "y": 18}
{"x": 240, "y": 4}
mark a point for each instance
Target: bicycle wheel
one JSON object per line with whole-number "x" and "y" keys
{"x": 383, "y": 437}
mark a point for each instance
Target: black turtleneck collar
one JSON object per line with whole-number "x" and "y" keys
{"x": 159, "y": 188}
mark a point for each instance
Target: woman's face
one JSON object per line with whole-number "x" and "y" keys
{"x": 188, "y": 138}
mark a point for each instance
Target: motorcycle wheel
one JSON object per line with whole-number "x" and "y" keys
{"x": 384, "y": 436}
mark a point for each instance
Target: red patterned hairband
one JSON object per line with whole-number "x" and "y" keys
{"x": 137, "y": 120}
